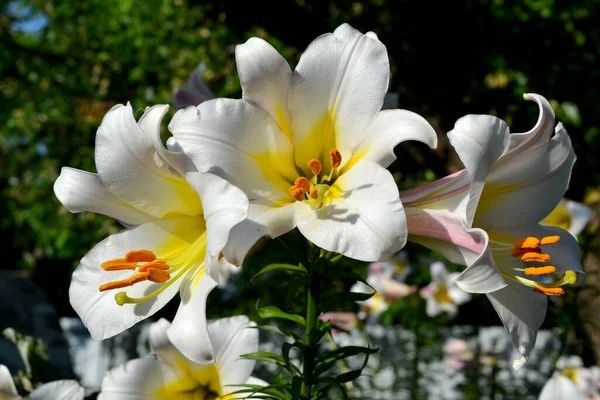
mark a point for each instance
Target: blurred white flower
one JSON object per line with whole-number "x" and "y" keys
{"x": 442, "y": 294}
{"x": 62, "y": 389}
{"x": 570, "y": 216}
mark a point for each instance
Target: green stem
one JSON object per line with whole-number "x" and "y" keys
{"x": 312, "y": 301}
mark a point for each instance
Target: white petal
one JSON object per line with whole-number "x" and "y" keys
{"x": 232, "y": 337}
{"x": 390, "y": 128}
{"x": 261, "y": 221}
{"x": 265, "y": 79}
{"x": 139, "y": 379}
{"x": 150, "y": 124}
{"x": 224, "y": 207}
{"x": 479, "y": 140}
{"x": 188, "y": 332}
{"x": 128, "y": 165}
{"x": 560, "y": 387}
{"x": 522, "y": 312}
{"x": 450, "y": 193}
{"x": 7, "y": 385}
{"x": 337, "y": 90}
{"x": 241, "y": 143}
{"x": 458, "y": 295}
{"x": 525, "y": 187}
{"x": 439, "y": 273}
{"x": 365, "y": 220}
{"x": 58, "y": 390}
{"x": 433, "y": 308}
{"x": 100, "y": 313}
{"x": 540, "y": 133}
{"x": 444, "y": 232}
{"x": 580, "y": 216}
{"x": 83, "y": 191}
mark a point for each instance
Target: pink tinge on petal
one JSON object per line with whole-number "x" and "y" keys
{"x": 418, "y": 194}
{"x": 443, "y": 226}
{"x": 344, "y": 321}
{"x": 394, "y": 290}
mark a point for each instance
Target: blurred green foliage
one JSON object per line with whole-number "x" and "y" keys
{"x": 65, "y": 63}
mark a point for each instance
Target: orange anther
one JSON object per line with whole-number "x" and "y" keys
{"x": 549, "y": 291}
{"x": 303, "y": 183}
{"x": 140, "y": 256}
{"x": 158, "y": 275}
{"x": 124, "y": 282}
{"x": 520, "y": 252}
{"x": 527, "y": 243}
{"x": 335, "y": 157}
{"x": 535, "y": 257}
{"x": 314, "y": 194}
{"x": 156, "y": 264}
{"x": 297, "y": 193}
{"x": 118, "y": 264}
{"x": 536, "y": 271}
{"x": 549, "y": 240}
{"x": 315, "y": 166}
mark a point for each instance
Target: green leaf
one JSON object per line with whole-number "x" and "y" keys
{"x": 281, "y": 267}
{"x": 274, "y": 312}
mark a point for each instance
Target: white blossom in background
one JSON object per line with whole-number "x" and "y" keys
{"x": 570, "y": 216}
{"x": 57, "y": 390}
{"x": 443, "y": 294}
{"x": 571, "y": 381}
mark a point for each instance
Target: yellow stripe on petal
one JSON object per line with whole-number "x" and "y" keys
{"x": 202, "y": 383}
{"x": 316, "y": 143}
{"x": 559, "y": 217}
{"x": 283, "y": 121}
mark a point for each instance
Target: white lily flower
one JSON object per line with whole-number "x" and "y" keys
{"x": 173, "y": 239}
{"x": 572, "y": 381}
{"x": 570, "y": 216}
{"x": 57, "y": 390}
{"x": 487, "y": 217}
{"x": 173, "y": 376}
{"x": 309, "y": 147}
{"x": 443, "y": 294}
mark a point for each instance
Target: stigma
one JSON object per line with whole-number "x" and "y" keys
{"x": 314, "y": 190}
{"x": 535, "y": 272}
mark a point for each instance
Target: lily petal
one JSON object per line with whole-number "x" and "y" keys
{"x": 540, "y": 133}
{"x": 7, "y": 385}
{"x": 337, "y": 90}
{"x": 224, "y": 207}
{"x": 83, "y": 191}
{"x": 188, "y": 332}
{"x": 522, "y": 312}
{"x": 390, "y": 128}
{"x": 526, "y": 190}
{"x": 444, "y": 232}
{"x": 560, "y": 387}
{"x": 99, "y": 311}
{"x": 439, "y": 273}
{"x": 58, "y": 390}
{"x": 241, "y": 143}
{"x": 364, "y": 220}
{"x": 580, "y": 216}
{"x": 128, "y": 165}
{"x": 232, "y": 337}
{"x": 261, "y": 221}
{"x": 479, "y": 141}
{"x": 141, "y": 379}
{"x": 265, "y": 79}
{"x": 195, "y": 90}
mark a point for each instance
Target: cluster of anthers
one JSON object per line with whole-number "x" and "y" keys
{"x": 528, "y": 250}
{"x": 311, "y": 190}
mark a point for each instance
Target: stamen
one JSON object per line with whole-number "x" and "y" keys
{"x": 302, "y": 183}
{"x": 549, "y": 291}
{"x": 158, "y": 275}
{"x": 124, "y": 282}
{"x": 527, "y": 243}
{"x": 157, "y": 264}
{"x": 520, "y": 252}
{"x": 549, "y": 240}
{"x": 535, "y": 257}
{"x": 537, "y": 271}
{"x": 297, "y": 193}
{"x": 314, "y": 194}
{"x": 140, "y": 256}
{"x": 118, "y": 264}
{"x": 335, "y": 157}
{"x": 315, "y": 166}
